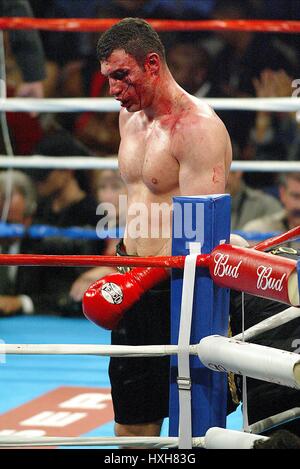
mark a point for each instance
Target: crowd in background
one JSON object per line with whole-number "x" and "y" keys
{"x": 206, "y": 64}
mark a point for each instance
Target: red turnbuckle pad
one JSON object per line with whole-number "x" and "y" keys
{"x": 254, "y": 272}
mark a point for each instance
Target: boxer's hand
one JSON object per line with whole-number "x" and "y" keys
{"x": 106, "y": 300}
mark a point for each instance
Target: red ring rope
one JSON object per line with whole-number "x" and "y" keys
{"x": 130, "y": 261}
{"x": 279, "y": 239}
{"x": 88, "y": 261}
{"x": 97, "y": 25}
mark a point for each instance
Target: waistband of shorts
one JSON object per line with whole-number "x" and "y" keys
{"x": 121, "y": 251}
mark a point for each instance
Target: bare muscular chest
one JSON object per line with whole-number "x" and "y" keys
{"x": 145, "y": 158}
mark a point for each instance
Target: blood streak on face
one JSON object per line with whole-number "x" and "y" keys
{"x": 129, "y": 83}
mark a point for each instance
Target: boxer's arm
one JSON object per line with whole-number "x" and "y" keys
{"x": 203, "y": 152}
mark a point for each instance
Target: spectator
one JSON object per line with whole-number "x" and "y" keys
{"x": 274, "y": 134}
{"x": 28, "y": 50}
{"x": 289, "y": 216}
{"x": 31, "y": 290}
{"x": 63, "y": 47}
{"x": 108, "y": 187}
{"x": 29, "y": 75}
{"x": 16, "y": 285}
{"x": 189, "y": 9}
{"x": 246, "y": 54}
{"x": 247, "y": 203}
{"x": 64, "y": 200}
{"x": 99, "y": 131}
{"x": 243, "y": 57}
{"x": 190, "y": 65}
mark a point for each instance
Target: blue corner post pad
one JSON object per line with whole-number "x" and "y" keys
{"x": 204, "y": 220}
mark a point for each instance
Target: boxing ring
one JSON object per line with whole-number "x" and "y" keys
{"x": 199, "y": 332}
{"x": 215, "y": 352}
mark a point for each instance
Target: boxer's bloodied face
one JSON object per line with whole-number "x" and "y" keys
{"x": 129, "y": 82}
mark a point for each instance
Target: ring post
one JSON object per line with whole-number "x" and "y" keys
{"x": 204, "y": 220}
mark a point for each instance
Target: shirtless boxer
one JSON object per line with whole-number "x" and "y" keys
{"x": 172, "y": 144}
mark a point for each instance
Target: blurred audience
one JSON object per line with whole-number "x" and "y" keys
{"x": 35, "y": 290}
{"x": 108, "y": 187}
{"x": 63, "y": 193}
{"x": 189, "y": 9}
{"x": 62, "y": 47}
{"x": 286, "y": 218}
{"x": 247, "y": 203}
{"x": 16, "y": 283}
{"x": 28, "y": 50}
{"x": 68, "y": 52}
{"x": 243, "y": 58}
{"x": 190, "y": 65}
{"x": 273, "y": 135}
{"x": 246, "y": 54}
{"x": 99, "y": 131}
{"x": 26, "y": 74}
{"x": 273, "y": 132}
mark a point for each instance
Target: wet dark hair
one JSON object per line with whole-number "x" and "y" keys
{"x": 135, "y": 36}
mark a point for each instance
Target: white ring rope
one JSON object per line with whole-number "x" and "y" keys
{"x": 59, "y": 105}
{"x": 215, "y": 352}
{"x": 289, "y": 104}
{"x": 266, "y": 166}
{"x": 270, "y": 323}
{"x": 110, "y": 162}
{"x": 215, "y": 438}
{"x": 274, "y": 420}
{"x": 87, "y": 349}
{"x": 54, "y": 162}
{"x": 153, "y": 442}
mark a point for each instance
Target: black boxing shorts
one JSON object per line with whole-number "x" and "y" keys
{"x": 140, "y": 386}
